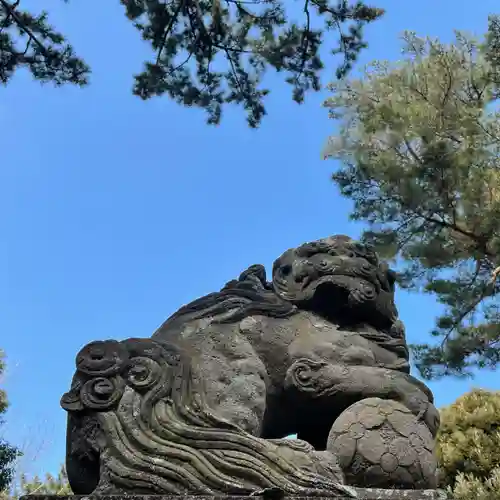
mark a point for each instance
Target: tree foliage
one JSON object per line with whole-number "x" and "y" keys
{"x": 419, "y": 143}
{"x": 8, "y": 453}
{"x": 232, "y": 42}
{"x": 207, "y": 53}
{"x": 50, "y": 485}
{"x": 27, "y": 40}
{"x": 469, "y": 446}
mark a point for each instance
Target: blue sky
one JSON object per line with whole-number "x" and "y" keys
{"x": 114, "y": 212}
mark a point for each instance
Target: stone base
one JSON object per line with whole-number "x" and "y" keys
{"x": 363, "y": 494}
{"x": 381, "y": 494}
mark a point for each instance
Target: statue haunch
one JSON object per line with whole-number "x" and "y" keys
{"x": 203, "y": 406}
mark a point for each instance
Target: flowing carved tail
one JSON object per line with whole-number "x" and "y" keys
{"x": 138, "y": 422}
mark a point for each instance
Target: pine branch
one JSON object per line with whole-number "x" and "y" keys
{"x": 11, "y": 12}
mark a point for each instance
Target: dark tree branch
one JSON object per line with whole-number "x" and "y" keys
{"x": 305, "y": 41}
{"x": 10, "y": 8}
{"x": 168, "y": 28}
{"x": 9, "y": 15}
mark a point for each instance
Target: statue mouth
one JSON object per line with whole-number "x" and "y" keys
{"x": 346, "y": 300}
{"x": 364, "y": 288}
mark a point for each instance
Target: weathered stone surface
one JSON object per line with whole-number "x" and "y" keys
{"x": 202, "y": 407}
{"x": 386, "y": 442}
{"x": 363, "y": 494}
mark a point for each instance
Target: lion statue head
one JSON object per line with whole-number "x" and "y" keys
{"x": 340, "y": 279}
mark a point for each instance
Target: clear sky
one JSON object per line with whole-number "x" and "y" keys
{"x": 114, "y": 212}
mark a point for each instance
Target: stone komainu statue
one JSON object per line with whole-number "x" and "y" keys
{"x": 203, "y": 407}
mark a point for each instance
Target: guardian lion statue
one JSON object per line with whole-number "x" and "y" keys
{"x": 203, "y": 407}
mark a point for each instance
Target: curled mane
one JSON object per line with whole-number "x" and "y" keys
{"x": 164, "y": 439}
{"x": 250, "y": 294}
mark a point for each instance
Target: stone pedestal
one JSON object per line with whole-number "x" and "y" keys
{"x": 363, "y": 494}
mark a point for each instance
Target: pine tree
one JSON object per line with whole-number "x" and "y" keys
{"x": 27, "y": 40}
{"x": 419, "y": 143}
{"x": 469, "y": 446}
{"x": 207, "y": 53}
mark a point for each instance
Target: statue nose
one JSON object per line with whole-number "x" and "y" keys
{"x": 301, "y": 270}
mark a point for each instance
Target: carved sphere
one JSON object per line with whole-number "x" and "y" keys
{"x": 381, "y": 444}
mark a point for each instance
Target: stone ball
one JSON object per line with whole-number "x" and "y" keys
{"x": 382, "y": 444}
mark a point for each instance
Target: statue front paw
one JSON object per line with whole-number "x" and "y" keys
{"x": 316, "y": 378}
